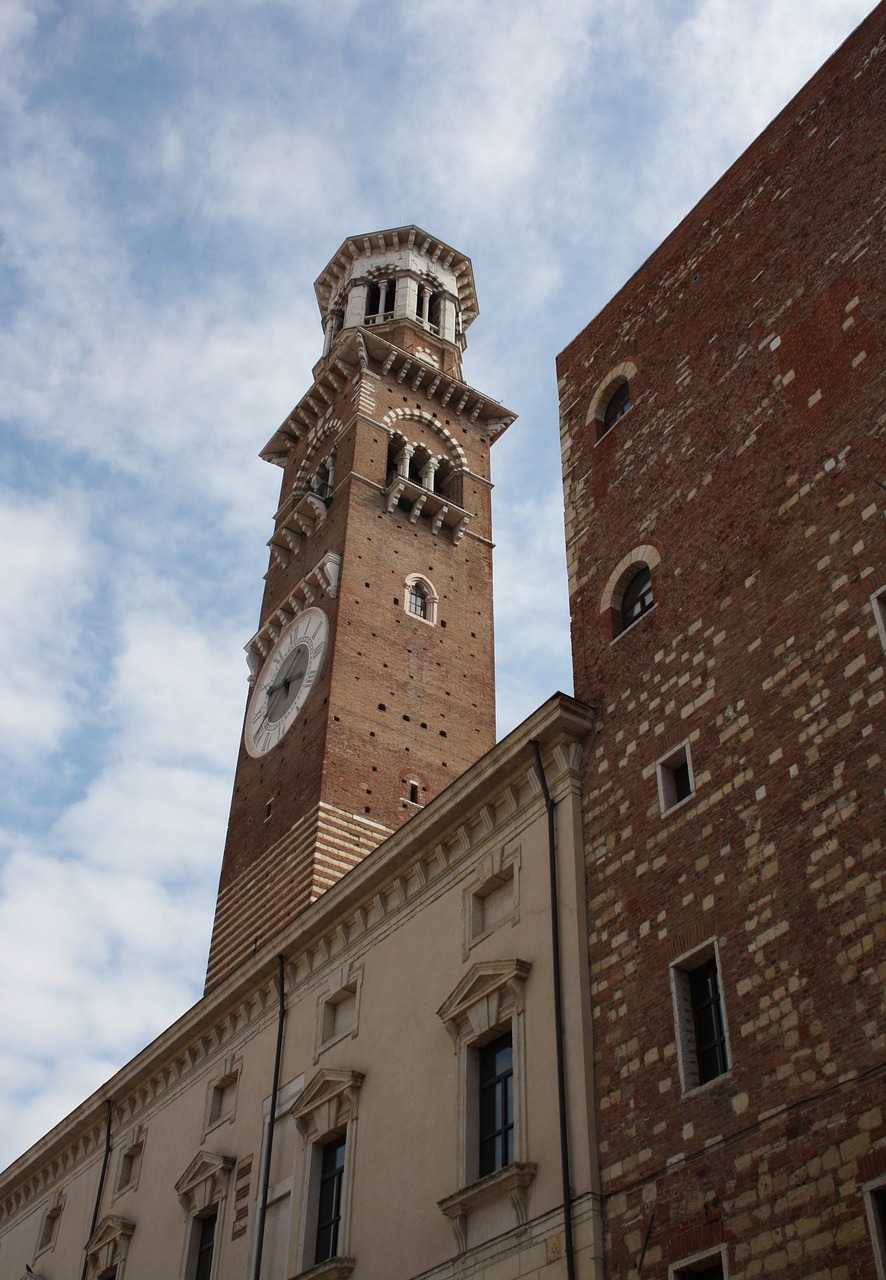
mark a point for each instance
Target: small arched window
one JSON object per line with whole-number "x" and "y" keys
{"x": 637, "y": 598}
{"x": 418, "y": 600}
{"x": 619, "y": 404}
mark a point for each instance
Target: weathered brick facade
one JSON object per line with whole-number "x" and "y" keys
{"x": 745, "y": 475}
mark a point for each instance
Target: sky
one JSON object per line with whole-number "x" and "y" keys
{"x": 175, "y": 175}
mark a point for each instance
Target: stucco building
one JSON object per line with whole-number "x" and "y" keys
{"x": 611, "y": 1002}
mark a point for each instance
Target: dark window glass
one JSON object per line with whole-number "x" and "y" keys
{"x": 496, "y": 1105}
{"x": 373, "y": 300}
{"x": 637, "y": 599}
{"x": 418, "y": 600}
{"x": 205, "y": 1248}
{"x": 682, "y": 781}
{"x": 329, "y": 1211}
{"x": 707, "y": 1016}
{"x": 618, "y": 406}
{"x": 703, "y": 1271}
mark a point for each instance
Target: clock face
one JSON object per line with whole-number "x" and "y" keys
{"x": 286, "y": 680}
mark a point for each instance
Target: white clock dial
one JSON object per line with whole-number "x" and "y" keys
{"x": 286, "y": 680}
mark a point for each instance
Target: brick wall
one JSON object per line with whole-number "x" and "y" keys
{"x": 746, "y": 469}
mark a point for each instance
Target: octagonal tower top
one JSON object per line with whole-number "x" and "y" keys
{"x": 393, "y": 277}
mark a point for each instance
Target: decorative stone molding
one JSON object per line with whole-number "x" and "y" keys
{"x": 489, "y": 995}
{"x": 620, "y": 373}
{"x": 512, "y": 1181}
{"x": 108, "y": 1246}
{"x": 321, "y": 580}
{"x": 204, "y": 1182}
{"x": 327, "y": 1104}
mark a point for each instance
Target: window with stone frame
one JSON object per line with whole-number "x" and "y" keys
{"x": 420, "y": 598}
{"x": 338, "y": 1008}
{"x": 326, "y": 1115}
{"x": 221, "y": 1098}
{"x": 676, "y": 780}
{"x": 699, "y": 1016}
{"x": 50, "y": 1224}
{"x": 203, "y": 1192}
{"x": 485, "y": 1018}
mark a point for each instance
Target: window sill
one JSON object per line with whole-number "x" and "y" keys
{"x": 513, "y": 1181}
{"x": 331, "y": 1269}
{"x": 679, "y": 806}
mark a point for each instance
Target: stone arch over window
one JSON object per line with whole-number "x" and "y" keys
{"x": 610, "y": 402}
{"x": 318, "y": 454}
{"x": 420, "y": 598}
{"x": 646, "y": 557}
{"x": 396, "y": 422}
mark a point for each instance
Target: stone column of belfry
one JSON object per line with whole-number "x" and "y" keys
{"x": 357, "y": 705}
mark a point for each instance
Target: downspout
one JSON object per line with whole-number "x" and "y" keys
{"x": 101, "y": 1185}
{"x": 558, "y": 1018}
{"x": 266, "y": 1168}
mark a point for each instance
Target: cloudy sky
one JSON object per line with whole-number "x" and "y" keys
{"x": 176, "y": 173}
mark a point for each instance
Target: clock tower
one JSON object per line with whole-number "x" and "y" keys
{"x": 372, "y": 671}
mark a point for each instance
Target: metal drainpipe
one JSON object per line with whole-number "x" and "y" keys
{"x": 558, "y": 1018}
{"x": 101, "y": 1185}
{"x": 266, "y": 1168}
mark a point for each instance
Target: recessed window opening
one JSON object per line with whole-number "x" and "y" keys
{"x": 618, "y": 406}
{"x": 332, "y": 1169}
{"x": 637, "y": 599}
{"x": 205, "y": 1247}
{"x": 707, "y": 1268}
{"x": 707, "y": 1016}
{"x": 676, "y": 781}
{"x": 496, "y": 1097}
{"x": 413, "y": 792}
{"x": 700, "y": 1023}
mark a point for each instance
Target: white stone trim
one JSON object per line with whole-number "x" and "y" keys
{"x": 620, "y": 577}
{"x": 617, "y": 375}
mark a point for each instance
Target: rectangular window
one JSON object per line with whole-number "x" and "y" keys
{"x": 701, "y": 1029}
{"x": 205, "y": 1231}
{"x": 332, "y": 1169}
{"x": 496, "y": 1120}
{"x": 676, "y": 781}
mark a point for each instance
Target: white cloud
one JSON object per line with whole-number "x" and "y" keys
{"x": 45, "y": 581}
